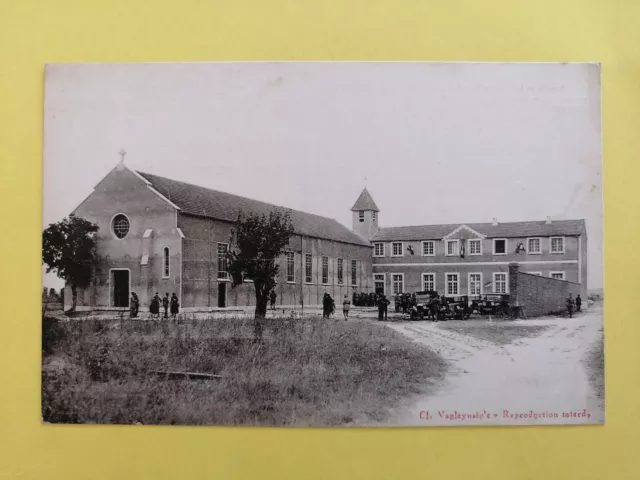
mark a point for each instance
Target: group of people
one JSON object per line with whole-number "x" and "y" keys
{"x": 329, "y": 306}
{"x": 571, "y": 304}
{"x": 364, "y": 299}
{"x": 169, "y": 304}
{"x": 404, "y": 301}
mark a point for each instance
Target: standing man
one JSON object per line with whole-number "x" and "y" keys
{"x": 165, "y": 304}
{"x": 272, "y": 298}
{"x": 382, "y": 308}
{"x": 346, "y": 306}
{"x": 135, "y": 305}
{"x": 570, "y": 305}
{"x": 578, "y": 303}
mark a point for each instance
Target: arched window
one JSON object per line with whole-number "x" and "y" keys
{"x": 120, "y": 225}
{"x": 165, "y": 263}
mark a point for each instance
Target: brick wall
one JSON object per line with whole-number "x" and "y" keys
{"x": 539, "y": 295}
{"x": 200, "y": 267}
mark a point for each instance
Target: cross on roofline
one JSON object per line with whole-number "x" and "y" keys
{"x": 122, "y": 153}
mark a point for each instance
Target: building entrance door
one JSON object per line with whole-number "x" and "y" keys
{"x": 378, "y": 281}
{"x": 120, "y": 288}
{"x": 222, "y": 294}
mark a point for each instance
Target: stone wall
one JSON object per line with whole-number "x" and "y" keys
{"x": 539, "y": 295}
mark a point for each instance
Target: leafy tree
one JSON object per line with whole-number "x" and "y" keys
{"x": 69, "y": 249}
{"x": 256, "y": 242}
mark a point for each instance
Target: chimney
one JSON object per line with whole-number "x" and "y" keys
{"x": 495, "y": 222}
{"x": 548, "y": 221}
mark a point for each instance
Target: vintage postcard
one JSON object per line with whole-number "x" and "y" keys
{"x": 323, "y": 244}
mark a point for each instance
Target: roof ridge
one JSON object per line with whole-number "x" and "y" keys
{"x": 480, "y": 223}
{"x": 236, "y": 195}
{"x": 208, "y": 202}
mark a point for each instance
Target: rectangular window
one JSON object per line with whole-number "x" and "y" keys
{"x": 475, "y": 247}
{"x": 291, "y": 271}
{"x": 340, "y": 271}
{"x": 452, "y": 282}
{"x": 325, "y": 269}
{"x": 534, "y": 246}
{"x": 499, "y": 246}
{"x": 557, "y": 275}
{"x": 223, "y": 248}
{"x": 475, "y": 284}
{"x": 361, "y": 215}
{"x": 397, "y": 279}
{"x": 397, "y": 249}
{"x": 166, "y": 257}
{"x": 452, "y": 248}
{"x": 354, "y": 273}
{"x": 499, "y": 283}
{"x": 428, "y": 249}
{"x": 378, "y": 249}
{"x": 374, "y": 215}
{"x": 308, "y": 268}
{"x": 557, "y": 245}
{"x": 428, "y": 281}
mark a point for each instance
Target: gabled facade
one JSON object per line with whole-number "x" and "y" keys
{"x": 160, "y": 235}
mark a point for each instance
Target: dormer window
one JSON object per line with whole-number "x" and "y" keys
{"x": 361, "y": 215}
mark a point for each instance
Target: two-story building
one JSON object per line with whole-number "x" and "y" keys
{"x": 469, "y": 259}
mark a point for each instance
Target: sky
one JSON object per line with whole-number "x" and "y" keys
{"x": 432, "y": 142}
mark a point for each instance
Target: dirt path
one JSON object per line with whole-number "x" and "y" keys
{"x": 492, "y": 384}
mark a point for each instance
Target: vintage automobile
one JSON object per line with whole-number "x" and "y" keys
{"x": 430, "y": 305}
{"x": 426, "y": 305}
{"x": 494, "y": 304}
{"x": 456, "y": 307}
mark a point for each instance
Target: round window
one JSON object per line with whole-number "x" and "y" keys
{"x": 120, "y": 225}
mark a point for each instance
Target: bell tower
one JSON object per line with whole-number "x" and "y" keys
{"x": 365, "y": 215}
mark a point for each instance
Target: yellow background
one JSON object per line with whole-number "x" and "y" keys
{"x": 35, "y": 32}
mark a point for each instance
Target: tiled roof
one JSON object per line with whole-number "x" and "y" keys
{"x": 502, "y": 230}
{"x": 365, "y": 202}
{"x": 205, "y": 202}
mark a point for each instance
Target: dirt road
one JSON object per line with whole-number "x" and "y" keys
{"x": 539, "y": 380}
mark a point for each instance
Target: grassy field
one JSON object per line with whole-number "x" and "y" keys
{"x": 305, "y": 372}
{"x": 500, "y": 333}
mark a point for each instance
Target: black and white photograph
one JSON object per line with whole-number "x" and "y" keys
{"x": 323, "y": 244}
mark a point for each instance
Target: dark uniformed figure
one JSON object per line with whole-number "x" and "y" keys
{"x": 570, "y": 304}
{"x": 165, "y": 304}
{"x": 134, "y": 307}
{"x": 175, "y": 305}
{"x": 272, "y": 299}
{"x": 328, "y": 306}
{"x": 383, "y": 303}
{"x": 396, "y": 301}
{"x": 154, "y": 308}
{"x": 578, "y": 303}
